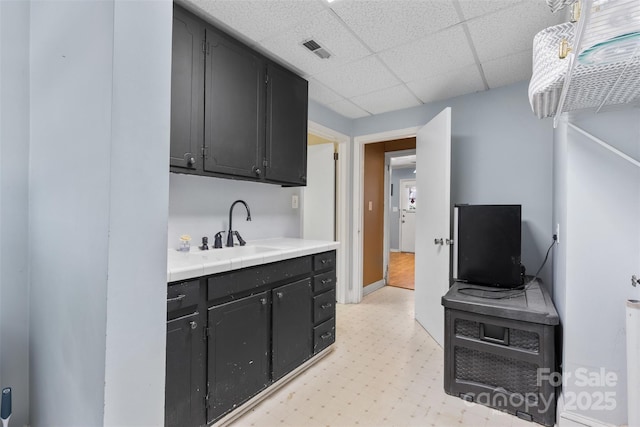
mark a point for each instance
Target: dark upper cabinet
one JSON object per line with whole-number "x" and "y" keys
{"x": 292, "y": 326}
{"x": 286, "y": 140}
{"x": 187, "y": 91}
{"x": 238, "y": 349}
{"x": 234, "y": 107}
{"x": 185, "y": 374}
{"x": 234, "y": 113}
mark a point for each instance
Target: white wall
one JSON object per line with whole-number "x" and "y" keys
{"x": 199, "y": 206}
{"x": 98, "y": 195}
{"x": 501, "y": 153}
{"x": 600, "y": 241}
{"x": 14, "y": 163}
{"x": 138, "y": 214}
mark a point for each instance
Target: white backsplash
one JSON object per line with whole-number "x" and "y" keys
{"x": 199, "y": 206}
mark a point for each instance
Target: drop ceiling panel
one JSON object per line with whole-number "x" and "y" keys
{"x": 474, "y": 8}
{"x": 454, "y": 83}
{"x": 387, "y": 23}
{"x": 348, "y": 109}
{"x": 258, "y": 19}
{"x": 509, "y": 69}
{"x": 320, "y": 93}
{"x": 431, "y": 56}
{"x": 358, "y": 78}
{"x": 511, "y": 30}
{"x": 393, "y": 98}
{"x": 325, "y": 29}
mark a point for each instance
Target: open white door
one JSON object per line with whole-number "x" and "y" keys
{"x": 318, "y": 221}
{"x": 433, "y": 220}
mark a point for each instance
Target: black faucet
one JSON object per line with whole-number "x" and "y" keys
{"x": 231, "y": 233}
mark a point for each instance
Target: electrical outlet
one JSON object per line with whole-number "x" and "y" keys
{"x": 557, "y": 233}
{"x": 294, "y": 201}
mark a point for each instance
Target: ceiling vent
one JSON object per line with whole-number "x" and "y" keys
{"x": 314, "y": 47}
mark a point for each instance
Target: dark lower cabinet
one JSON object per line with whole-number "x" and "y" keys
{"x": 292, "y": 326}
{"x": 231, "y": 335}
{"x": 185, "y": 374}
{"x": 238, "y": 352}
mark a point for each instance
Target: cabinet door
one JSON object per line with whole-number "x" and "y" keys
{"x": 234, "y": 116}
{"x": 238, "y": 356}
{"x": 187, "y": 96}
{"x": 185, "y": 374}
{"x": 292, "y": 327}
{"x": 286, "y": 142}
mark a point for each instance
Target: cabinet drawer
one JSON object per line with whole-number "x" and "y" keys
{"x": 226, "y": 284}
{"x": 324, "y": 306}
{"x": 182, "y": 295}
{"x": 324, "y": 335}
{"x": 325, "y": 281}
{"x": 324, "y": 261}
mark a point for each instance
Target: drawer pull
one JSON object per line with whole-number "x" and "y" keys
{"x": 325, "y": 306}
{"x": 324, "y": 261}
{"x": 325, "y": 281}
{"x": 263, "y": 301}
{"x": 280, "y": 295}
{"x": 326, "y": 335}
{"x": 178, "y": 298}
{"x": 193, "y": 324}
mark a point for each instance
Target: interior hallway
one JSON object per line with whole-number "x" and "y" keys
{"x": 385, "y": 370}
{"x": 402, "y": 270}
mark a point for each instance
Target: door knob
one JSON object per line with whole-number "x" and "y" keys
{"x": 438, "y": 241}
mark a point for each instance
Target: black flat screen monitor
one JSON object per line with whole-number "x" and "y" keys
{"x": 488, "y": 245}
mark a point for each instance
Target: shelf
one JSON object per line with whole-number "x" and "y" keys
{"x": 602, "y": 68}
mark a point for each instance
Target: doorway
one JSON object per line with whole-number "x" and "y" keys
{"x": 378, "y": 157}
{"x": 337, "y": 224}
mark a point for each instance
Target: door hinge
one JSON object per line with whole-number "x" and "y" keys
{"x": 335, "y": 156}
{"x": 205, "y": 47}
{"x": 265, "y": 163}
{"x": 266, "y": 78}
{"x": 205, "y": 333}
{"x": 204, "y": 152}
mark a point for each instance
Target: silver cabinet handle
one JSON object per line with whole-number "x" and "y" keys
{"x": 326, "y": 335}
{"x": 438, "y": 241}
{"x": 280, "y": 295}
{"x": 325, "y": 281}
{"x": 178, "y": 298}
{"x": 449, "y": 241}
{"x": 193, "y": 324}
{"x": 263, "y": 301}
{"x": 325, "y": 306}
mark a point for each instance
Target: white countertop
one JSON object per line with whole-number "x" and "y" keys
{"x": 196, "y": 263}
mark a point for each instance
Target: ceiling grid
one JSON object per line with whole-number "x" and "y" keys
{"x": 388, "y": 55}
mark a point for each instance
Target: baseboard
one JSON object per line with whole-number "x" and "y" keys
{"x": 373, "y": 287}
{"x": 571, "y": 419}
{"x": 394, "y": 250}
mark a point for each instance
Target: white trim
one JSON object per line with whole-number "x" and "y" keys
{"x": 373, "y": 287}
{"x": 344, "y": 285}
{"x": 358, "y": 198}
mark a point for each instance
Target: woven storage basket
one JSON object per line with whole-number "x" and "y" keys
{"x": 549, "y": 70}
